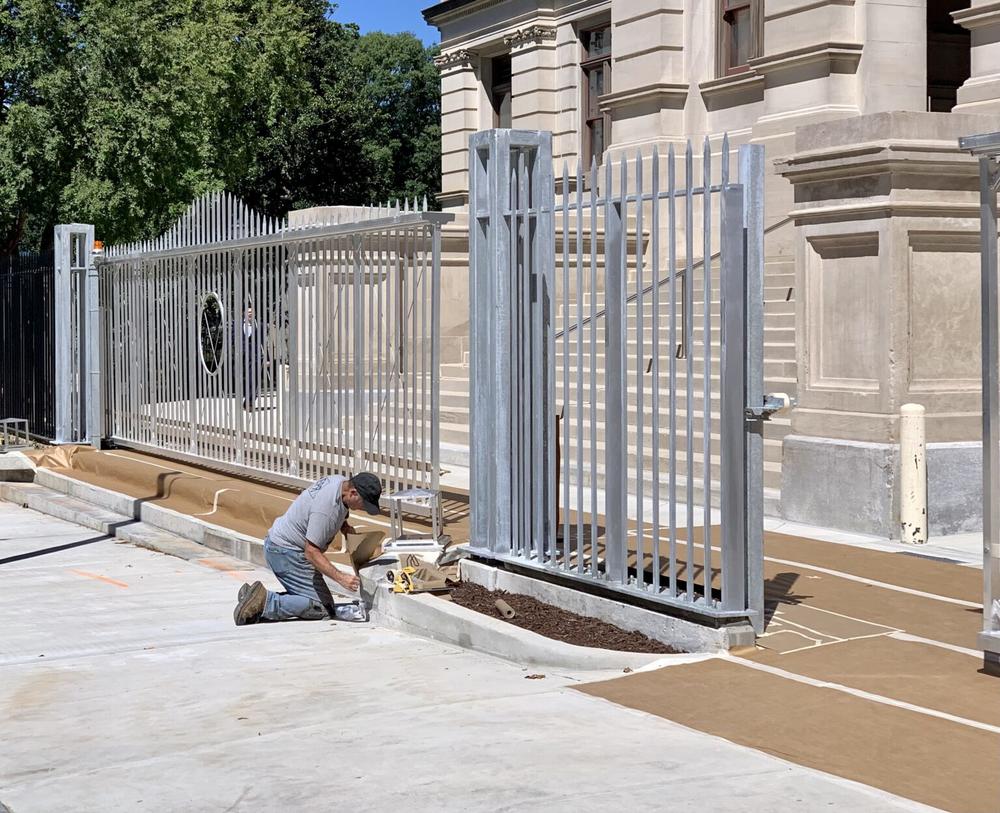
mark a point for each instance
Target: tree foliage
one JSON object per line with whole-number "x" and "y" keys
{"x": 119, "y": 112}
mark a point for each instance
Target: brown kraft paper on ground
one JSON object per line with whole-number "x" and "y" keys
{"x": 934, "y": 761}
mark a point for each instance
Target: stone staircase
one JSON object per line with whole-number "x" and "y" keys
{"x": 779, "y": 376}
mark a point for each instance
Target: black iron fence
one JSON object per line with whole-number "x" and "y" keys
{"x": 27, "y": 340}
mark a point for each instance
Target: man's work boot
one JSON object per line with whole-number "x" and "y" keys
{"x": 250, "y": 604}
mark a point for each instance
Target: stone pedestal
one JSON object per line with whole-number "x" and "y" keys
{"x": 887, "y": 289}
{"x": 981, "y": 92}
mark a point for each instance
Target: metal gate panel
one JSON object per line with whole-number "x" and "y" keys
{"x": 599, "y": 352}
{"x": 290, "y": 353}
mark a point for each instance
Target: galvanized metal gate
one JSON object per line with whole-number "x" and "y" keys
{"x": 289, "y": 353}
{"x": 617, "y": 371}
{"x": 987, "y": 148}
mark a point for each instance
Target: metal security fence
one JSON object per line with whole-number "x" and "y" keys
{"x": 987, "y": 148}
{"x": 27, "y": 340}
{"x": 617, "y": 371}
{"x": 238, "y": 342}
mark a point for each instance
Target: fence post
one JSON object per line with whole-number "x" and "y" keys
{"x": 498, "y": 264}
{"x": 733, "y": 391}
{"x": 751, "y": 158}
{"x": 989, "y": 172}
{"x": 74, "y": 243}
{"x": 490, "y": 350}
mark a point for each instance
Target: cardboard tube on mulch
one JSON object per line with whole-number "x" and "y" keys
{"x": 504, "y": 609}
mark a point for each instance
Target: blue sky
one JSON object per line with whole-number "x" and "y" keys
{"x": 391, "y": 16}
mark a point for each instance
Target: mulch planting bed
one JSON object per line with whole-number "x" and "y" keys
{"x": 556, "y": 623}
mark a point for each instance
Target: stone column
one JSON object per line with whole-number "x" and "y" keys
{"x": 981, "y": 93}
{"x": 460, "y": 118}
{"x": 648, "y": 86}
{"x": 887, "y": 282}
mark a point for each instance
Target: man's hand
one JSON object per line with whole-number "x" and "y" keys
{"x": 318, "y": 560}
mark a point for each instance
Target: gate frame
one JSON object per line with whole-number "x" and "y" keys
{"x": 77, "y": 351}
{"x": 986, "y": 147}
{"x": 491, "y": 169}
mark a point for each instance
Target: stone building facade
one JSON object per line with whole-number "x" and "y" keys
{"x": 871, "y": 210}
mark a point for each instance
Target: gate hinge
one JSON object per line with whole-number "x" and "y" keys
{"x": 773, "y": 402}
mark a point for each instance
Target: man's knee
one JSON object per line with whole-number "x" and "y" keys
{"x": 315, "y": 612}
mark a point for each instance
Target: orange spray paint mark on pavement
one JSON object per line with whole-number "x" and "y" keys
{"x": 98, "y": 577}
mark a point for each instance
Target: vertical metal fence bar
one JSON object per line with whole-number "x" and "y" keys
{"x": 383, "y": 242}
{"x": 517, "y": 366}
{"x": 580, "y": 303}
{"x": 655, "y": 366}
{"x": 706, "y": 327}
{"x": 752, "y": 180}
{"x": 95, "y": 401}
{"x": 566, "y": 437}
{"x": 672, "y": 366}
{"x": 592, "y": 428}
{"x": 640, "y": 371}
{"x": 358, "y": 325}
{"x": 688, "y": 299}
{"x": 733, "y": 372}
{"x": 616, "y": 438}
{"x": 193, "y": 345}
{"x": 538, "y": 274}
{"x": 294, "y": 423}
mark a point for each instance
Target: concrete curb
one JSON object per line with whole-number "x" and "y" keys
{"x": 677, "y": 632}
{"x": 449, "y": 623}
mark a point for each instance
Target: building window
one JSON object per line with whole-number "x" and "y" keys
{"x": 741, "y": 34}
{"x": 596, "y": 82}
{"x": 500, "y": 90}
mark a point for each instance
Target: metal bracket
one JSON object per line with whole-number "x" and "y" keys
{"x": 773, "y": 402}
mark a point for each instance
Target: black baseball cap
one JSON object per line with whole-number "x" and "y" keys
{"x": 370, "y": 489}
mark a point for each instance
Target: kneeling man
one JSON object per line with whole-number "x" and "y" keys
{"x": 295, "y": 549}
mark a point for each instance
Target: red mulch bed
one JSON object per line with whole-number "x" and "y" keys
{"x": 556, "y": 623}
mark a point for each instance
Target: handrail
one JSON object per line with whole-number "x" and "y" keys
{"x": 649, "y": 288}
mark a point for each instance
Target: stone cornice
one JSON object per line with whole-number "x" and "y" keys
{"x": 729, "y": 91}
{"x": 533, "y": 33}
{"x": 867, "y": 209}
{"x": 666, "y": 94}
{"x": 841, "y": 57}
{"x": 453, "y": 9}
{"x": 453, "y": 58}
{"x": 915, "y": 157}
{"x": 977, "y": 16}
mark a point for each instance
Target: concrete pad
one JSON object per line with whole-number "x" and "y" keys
{"x": 148, "y": 698}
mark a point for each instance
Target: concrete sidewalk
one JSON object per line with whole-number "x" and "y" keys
{"x": 124, "y": 686}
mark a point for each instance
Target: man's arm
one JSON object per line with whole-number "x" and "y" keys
{"x": 318, "y": 560}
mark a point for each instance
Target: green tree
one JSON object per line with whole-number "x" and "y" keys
{"x": 120, "y": 112}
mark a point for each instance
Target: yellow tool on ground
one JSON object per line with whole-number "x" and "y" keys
{"x": 413, "y": 578}
{"x": 402, "y": 579}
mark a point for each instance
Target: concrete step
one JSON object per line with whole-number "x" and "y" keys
{"x": 119, "y": 515}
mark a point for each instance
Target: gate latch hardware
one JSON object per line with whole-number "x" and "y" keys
{"x": 773, "y": 402}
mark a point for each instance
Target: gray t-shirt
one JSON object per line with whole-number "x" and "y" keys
{"x": 316, "y": 516}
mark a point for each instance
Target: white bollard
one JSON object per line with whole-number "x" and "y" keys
{"x": 913, "y": 475}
